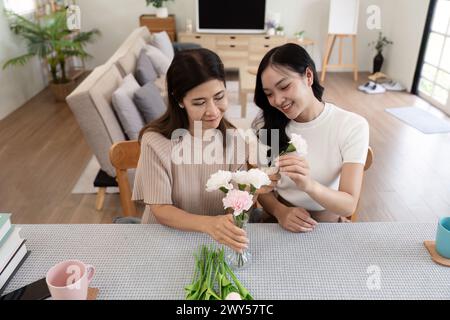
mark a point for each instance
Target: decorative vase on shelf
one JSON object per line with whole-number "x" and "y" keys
{"x": 162, "y": 12}
{"x": 239, "y": 260}
{"x": 189, "y": 26}
{"x": 378, "y": 62}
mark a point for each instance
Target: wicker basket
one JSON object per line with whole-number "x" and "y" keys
{"x": 62, "y": 90}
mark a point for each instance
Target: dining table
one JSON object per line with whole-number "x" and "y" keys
{"x": 350, "y": 261}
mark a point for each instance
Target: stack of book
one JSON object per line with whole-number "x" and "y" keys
{"x": 12, "y": 250}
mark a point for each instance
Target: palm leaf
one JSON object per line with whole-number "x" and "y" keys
{"x": 49, "y": 39}
{"x": 85, "y": 37}
{"x": 19, "y": 61}
{"x": 22, "y": 24}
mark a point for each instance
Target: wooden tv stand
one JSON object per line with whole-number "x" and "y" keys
{"x": 235, "y": 50}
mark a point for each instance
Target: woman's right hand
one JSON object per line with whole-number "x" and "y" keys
{"x": 297, "y": 219}
{"x": 222, "y": 229}
{"x": 274, "y": 178}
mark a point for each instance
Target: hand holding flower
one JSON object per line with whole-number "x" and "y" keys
{"x": 296, "y": 168}
{"x": 222, "y": 229}
{"x": 230, "y": 228}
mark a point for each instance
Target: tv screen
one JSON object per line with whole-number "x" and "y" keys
{"x": 231, "y": 16}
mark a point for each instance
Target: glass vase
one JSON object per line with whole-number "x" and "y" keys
{"x": 239, "y": 260}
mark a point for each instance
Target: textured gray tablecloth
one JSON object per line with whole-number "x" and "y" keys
{"x": 336, "y": 261}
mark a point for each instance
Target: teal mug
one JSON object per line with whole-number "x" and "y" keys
{"x": 443, "y": 237}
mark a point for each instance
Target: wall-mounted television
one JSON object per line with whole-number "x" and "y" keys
{"x": 231, "y": 16}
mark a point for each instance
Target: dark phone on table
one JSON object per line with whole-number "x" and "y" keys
{"x": 37, "y": 290}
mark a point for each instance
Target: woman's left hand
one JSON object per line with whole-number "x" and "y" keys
{"x": 296, "y": 168}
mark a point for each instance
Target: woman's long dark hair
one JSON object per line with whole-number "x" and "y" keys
{"x": 188, "y": 69}
{"x": 296, "y": 59}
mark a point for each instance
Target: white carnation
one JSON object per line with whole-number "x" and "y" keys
{"x": 300, "y": 144}
{"x": 220, "y": 179}
{"x": 254, "y": 177}
{"x": 241, "y": 177}
{"x": 258, "y": 178}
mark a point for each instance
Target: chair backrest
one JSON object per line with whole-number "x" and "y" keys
{"x": 367, "y": 165}
{"x": 124, "y": 155}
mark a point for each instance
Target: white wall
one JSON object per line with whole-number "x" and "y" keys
{"x": 313, "y": 15}
{"x": 116, "y": 19}
{"x": 401, "y": 20}
{"x": 17, "y": 84}
{"x": 405, "y": 30}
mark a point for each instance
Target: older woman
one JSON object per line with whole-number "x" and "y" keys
{"x": 171, "y": 174}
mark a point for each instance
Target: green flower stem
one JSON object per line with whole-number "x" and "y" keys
{"x": 240, "y": 222}
{"x": 213, "y": 272}
{"x": 245, "y": 294}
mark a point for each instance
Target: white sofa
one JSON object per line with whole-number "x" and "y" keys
{"x": 91, "y": 101}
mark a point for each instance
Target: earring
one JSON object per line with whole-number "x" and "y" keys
{"x": 181, "y": 106}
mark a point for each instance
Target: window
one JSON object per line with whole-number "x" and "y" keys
{"x": 20, "y": 6}
{"x": 434, "y": 80}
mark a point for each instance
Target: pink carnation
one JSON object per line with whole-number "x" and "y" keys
{"x": 238, "y": 200}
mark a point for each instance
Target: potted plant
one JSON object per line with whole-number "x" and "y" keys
{"x": 52, "y": 41}
{"x": 379, "y": 45}
{"x": 279, "y": 30}
{"x": 300, "y": 35}
{"x": 161, "y": 12}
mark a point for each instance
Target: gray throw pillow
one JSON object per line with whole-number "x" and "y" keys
{"x": 149, "y": 102}
{"x": 161, "y": 40}
{"x": 160, "y": 61}
{"x": 145, "y": 72}
{"x": 127, "y": 112}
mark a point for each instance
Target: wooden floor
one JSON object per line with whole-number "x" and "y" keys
{"x": 43, "y": 153}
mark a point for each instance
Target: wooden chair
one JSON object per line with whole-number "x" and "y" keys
{"x": 368, "y": 164}
{"x": 124, "y": 155}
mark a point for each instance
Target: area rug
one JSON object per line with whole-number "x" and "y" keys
{"x": 420, "y": 119}
{"x": 85, "y": 185}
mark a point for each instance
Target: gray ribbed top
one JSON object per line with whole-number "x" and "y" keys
{"x": 336, "y": 261}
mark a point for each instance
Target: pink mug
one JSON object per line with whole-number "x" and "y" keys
{"x": 69, "y": 280}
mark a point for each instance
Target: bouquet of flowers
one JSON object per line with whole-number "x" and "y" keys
{"x": 239, "y": 200}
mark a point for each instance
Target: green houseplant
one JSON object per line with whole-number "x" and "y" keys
{"x": 279, "y": 30}
{"x": 379, "y": 45}
{"x": 51, "y": 40}
{"x": 161, "y": 11}
{"x": 300, "y": 34}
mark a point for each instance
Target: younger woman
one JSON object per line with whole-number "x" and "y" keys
{"x": 324, "y": 185}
